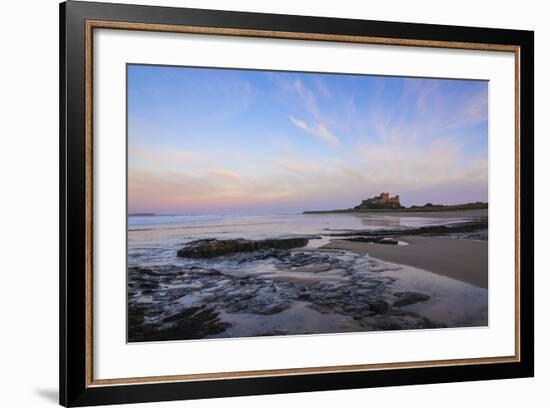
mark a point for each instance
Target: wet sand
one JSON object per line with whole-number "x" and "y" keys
{"x": 464, "y": 260}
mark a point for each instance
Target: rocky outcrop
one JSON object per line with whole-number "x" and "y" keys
{"x": 409, "y": 298}
{"x": 210, "y": 248}
{"x": 197, "y": 298}
{"x": 469, "y": 226}
{"x": 380, "y": 307}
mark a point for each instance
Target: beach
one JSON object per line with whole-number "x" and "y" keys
{"x": 464, "y": 260}
{"x": 224, "y": 276}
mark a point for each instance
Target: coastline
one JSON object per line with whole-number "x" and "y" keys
{"x": 402, "y": 211}
{"x": 463, "y": 260}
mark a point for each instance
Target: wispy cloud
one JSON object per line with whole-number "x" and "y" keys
{"x": 227, "y": 175}
{"x": 317, "y": 123}
{"x": 439, "y": 173}
{"x": 473, "y": 112}
{"x": 322, "y": 88}
{"x": 425, "y": 145}
{"x": 318, "y": 130}
{"x": 408, "y": 167}
{"x": 308, "y": 97}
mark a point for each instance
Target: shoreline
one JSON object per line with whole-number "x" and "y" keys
{"x": 398, "y": 211}
{"x": 463, "y": 260}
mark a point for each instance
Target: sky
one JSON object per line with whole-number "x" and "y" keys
{"x": 228, "y": 141}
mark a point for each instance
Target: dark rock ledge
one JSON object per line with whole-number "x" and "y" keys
{"x": 376, "y": 240}
{"x": 409, "y": 298}
{"x": 210, "y": 248}
{"x": 428, "y": 230}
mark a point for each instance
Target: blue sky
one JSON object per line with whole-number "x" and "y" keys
{"x": 238, "y": 141}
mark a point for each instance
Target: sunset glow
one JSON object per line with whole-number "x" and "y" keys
{"x": 221, "y": 141}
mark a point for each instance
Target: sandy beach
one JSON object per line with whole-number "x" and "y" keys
{"x": 464, "y": 260}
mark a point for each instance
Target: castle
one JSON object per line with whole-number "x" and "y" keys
{"x": 382, "y": 201}
{"x": 383, "y": 198}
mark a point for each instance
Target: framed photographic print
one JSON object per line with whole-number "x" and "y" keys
{"x": 256, "y": 203}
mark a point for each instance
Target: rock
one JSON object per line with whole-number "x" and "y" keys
{"x": 312, "y": 268}
{"x": 276, "y": 332}
{"x": 260, "y": 255}
{"x": 136, "y": 314}
{"x": 304, "y": 294}
{"x": 408, "y": 298}
{"x": 190, "y": 323}
{"x": 430, "y": 324}
{"x": 380, "y": 307}
{"x": 376, "y": 240}
{"x": 210, "y": 272}
{"x": 143, "y": 271}
{"x": 202, "y": 298}
{"x": 209, "y": 248}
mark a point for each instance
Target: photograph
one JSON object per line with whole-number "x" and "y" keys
{"x": 279, "y": 203}
{"x": 257, "y": 202}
